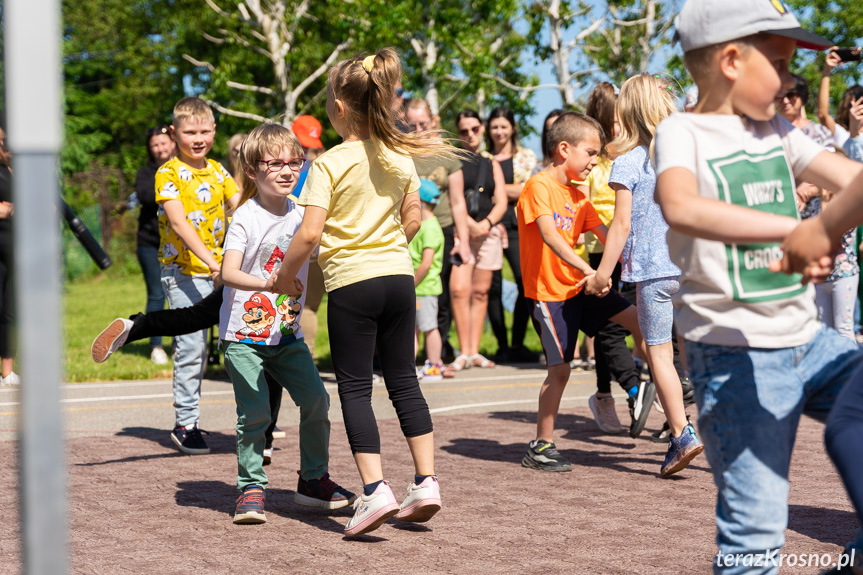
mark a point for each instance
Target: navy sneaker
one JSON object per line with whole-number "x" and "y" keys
{"x": 323, "y": 492}
{"x": 639, "y": 407}
{"x": 250, "y": 506}
{"x": 681, "y": 450}
{"x": 544, "y": 456}
{"x": 189, "y": 440}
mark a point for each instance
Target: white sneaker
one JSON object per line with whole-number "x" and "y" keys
{"x": 278, "y": 433}
{"x": 422, "y": 502}
{"x": 11, "y": 379}
{"x": 268, "y": 455}
{"x": 371, "y": 511}
{"x": 658, "y": 406}
{"x": 158, "y": 356}
{"x": 604, "y": 414}
{"x": 110, "y": 340}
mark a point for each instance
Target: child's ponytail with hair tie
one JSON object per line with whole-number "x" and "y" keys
{"x": 369, "y": 63}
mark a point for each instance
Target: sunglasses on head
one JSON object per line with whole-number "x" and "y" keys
{"x": 467, "y": 131}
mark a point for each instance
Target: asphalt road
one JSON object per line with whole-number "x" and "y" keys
{"x": 105, "y": 408}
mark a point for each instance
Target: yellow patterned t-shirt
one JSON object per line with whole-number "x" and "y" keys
{"x": 203, "y": 193}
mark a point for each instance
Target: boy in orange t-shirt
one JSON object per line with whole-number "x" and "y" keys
{"x": 552, "y": 213}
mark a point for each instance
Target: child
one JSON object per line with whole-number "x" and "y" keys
{"x": 644, "y": 101}
{"x": 191, "y": 191}
{"x": 758, "y": 357}
{"x": 362, "y": 206}
{"x": 262, "y": 332}
{"x": 427, "y": 255}
{"x": 552, "y": 213}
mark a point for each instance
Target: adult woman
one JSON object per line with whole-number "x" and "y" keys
{"x": 470, "y": 282}
{"x": 517, "y": 164}
{"x": 7, "y": 299}
{"x": 450, "y": 210}
{"x": 160, "y": 149}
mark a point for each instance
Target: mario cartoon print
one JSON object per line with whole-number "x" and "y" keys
{"x": 259, "y": 318}
{"x": 289, "y": 306}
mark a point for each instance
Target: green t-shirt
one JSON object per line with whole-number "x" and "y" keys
{"x": 430, "y": 235}
{"x": 438, "y": 170}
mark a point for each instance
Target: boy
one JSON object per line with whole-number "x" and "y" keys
{"x": 758, "y": 357}
{"x": 552, "y": 213}
{"x": 427, "y": 255}
{"x": 191, "y": 191}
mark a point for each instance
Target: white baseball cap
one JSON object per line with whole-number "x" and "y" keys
{"x": 704, "y": 23}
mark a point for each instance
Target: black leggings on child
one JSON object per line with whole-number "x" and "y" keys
{"x": 376, "y": 312}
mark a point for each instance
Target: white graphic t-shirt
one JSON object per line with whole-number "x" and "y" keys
{"x": 727, "y": 295}
{"x": 262, "y": 318}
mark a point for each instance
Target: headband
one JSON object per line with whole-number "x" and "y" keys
{"x": 369, "y": 63}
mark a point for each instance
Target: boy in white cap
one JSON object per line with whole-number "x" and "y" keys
{"x": 758, "y": 357}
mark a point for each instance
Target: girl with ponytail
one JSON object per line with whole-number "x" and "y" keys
{"x": 362, "y": 207}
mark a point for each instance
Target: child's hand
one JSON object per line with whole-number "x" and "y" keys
{"x": 595, "y": 285}
{"x": 806, "y": 250}
{"x": 298, "y": 287}
{"x": 216, "y": 276}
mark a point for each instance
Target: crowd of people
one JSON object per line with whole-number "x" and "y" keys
{"x": 671, "y": 226}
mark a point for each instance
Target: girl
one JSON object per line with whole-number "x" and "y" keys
{"x": 261, "y": 331}
{"x": 517, "y": 164}
{"x": 470, "y": 282}
{"x": 644, "y": 101}
{"x": 362, "y": 206}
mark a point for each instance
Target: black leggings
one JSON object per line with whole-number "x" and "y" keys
{"x": 379, "y": 311}
{"x": 200, "y": 316}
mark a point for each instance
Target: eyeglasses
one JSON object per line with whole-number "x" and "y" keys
{"x": 418, "y": 126}
{"x": 295, "y": 164}
{"x": 467, "y": 131}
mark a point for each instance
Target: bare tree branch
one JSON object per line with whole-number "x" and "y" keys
{"x": 237, "y": 113}
{"x": 248, "y": 88}
{"x": 217, "y": 9}
{"x": 213, "y": 39}
{"x": 511, "y": 86}
{"x": 199, "y": 63}
{"x": 322, "y": 68}
{"x": 314, "y": 99}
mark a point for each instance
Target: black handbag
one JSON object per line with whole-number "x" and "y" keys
{"x": 471, "y": 196}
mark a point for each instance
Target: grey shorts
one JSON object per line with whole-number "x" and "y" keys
{"x": 426, "y": 312}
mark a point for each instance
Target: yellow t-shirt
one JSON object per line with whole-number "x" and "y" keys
{"x": 361, "y": 185}
{"x": 203, "y": 193}
{"x": 602, "y": 198}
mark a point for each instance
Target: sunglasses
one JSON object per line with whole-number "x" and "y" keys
{"x": 467, "y": 131}
{"x": 295, "y": 164}
{"x": 791, "y": 95}
{"x": 399, "y": 92}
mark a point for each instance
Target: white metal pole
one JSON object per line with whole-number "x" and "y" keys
{"x": 34, "y": 134}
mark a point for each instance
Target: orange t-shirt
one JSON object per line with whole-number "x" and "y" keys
{"x": 546, "y": 277}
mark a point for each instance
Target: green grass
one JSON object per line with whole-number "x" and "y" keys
{"x": 90, "y": 305}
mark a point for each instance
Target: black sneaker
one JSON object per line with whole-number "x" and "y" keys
{"x": 190, "y": 440}
{"x": 544, "y": 456}
{"x": 639, "y": 407}
{"x": 322, "y": 492}
{"x": 250, "y": 506}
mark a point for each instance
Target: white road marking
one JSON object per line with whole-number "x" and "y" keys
{"x": 495, "y": 403}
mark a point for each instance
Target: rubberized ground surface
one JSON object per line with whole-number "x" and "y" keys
{"x": 136, "y": 505}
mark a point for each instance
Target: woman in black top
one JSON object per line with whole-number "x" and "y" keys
{"x": 469, "y": 283}
{"x": 160, "y": 149}
{"x": 7, "y": 297}
{"x": 517, "y": 164}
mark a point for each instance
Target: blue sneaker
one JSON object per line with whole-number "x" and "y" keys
{"x": 681, "y": 450}
{"x": 250, "y": 506}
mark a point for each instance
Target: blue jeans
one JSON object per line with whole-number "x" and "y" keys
{"x": 148, "y": 257}
{"x": 191, "y": 349}
{"x": 749, "y": 403}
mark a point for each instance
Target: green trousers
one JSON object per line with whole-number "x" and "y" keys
{"x": 292, "y": 366}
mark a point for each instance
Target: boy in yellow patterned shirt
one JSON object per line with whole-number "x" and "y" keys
{"x": 191, "y": 192}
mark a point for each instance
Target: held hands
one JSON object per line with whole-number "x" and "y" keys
{"x": 594, "y": 284}
{"x": 284, "y": 284}
{"x": 216, "y": 276}
{"x": 806, "y": 250}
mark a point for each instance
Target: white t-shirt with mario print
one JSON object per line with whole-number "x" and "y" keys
{"x": 262, "y": 318}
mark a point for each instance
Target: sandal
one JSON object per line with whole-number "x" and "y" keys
{"x": 478, "y": 360}
{"x": 465, "y": 363}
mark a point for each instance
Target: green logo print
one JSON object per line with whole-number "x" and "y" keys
{"x": 761, "y": 182}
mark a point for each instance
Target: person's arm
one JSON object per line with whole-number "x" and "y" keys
{"x": 618, "y": 233}
{"x": 233, "y": 276}
{"x": 513, "y": 191}
{"x": 233, "y": 202}
{"x": 459, "y": 214}
{"x": 830, "y": 62}
{"x": 559, "y": 246}
{"x": 688, "y": 213}
{"x": 176, "y": 214}
{"x": 411, "y": 213}
{"x": 302, "y": 245}
{"x": 425, "y": 265}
